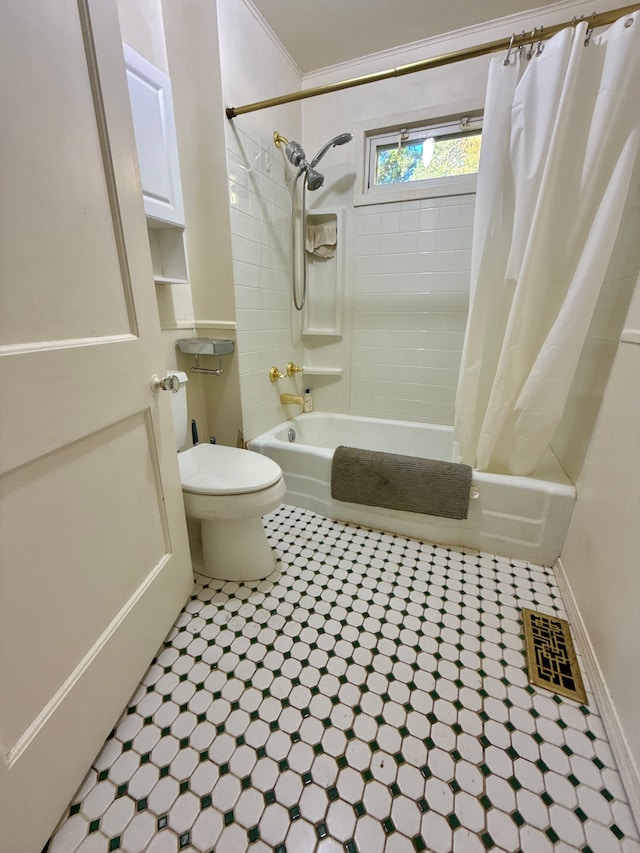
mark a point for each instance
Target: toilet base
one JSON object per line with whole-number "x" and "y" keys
{"x": 236, "y": 549}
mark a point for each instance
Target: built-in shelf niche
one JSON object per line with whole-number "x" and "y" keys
{"x": 168, "y": 255}
{"x": 323, "y": 309}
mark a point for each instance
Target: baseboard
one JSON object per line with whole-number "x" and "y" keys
{"x": 629, "y": 773}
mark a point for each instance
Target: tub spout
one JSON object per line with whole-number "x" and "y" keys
{"x": 290, "y": 400}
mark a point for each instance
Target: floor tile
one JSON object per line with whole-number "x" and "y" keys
{"x": 371, "y": 696}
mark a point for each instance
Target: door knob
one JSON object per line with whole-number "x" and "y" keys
{"x": 169, "y": 383}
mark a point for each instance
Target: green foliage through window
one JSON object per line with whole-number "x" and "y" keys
{"x": 431, "y": 157}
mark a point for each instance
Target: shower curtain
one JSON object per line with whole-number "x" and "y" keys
{"x": 561, "y": 132}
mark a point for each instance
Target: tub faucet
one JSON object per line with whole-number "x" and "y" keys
{"x": 291, "y": 400}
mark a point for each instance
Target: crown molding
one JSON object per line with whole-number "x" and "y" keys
{"x": 454, "y": 40}
{"x": 272, "y": 37}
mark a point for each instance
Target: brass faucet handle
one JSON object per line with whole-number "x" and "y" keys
{"x": 275, "y": 374}
{"x": 293, "y": 369}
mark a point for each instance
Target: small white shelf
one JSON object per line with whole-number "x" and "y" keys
{"x": 168, "y": 254}
{"x": 630, "y": 336}
{"x": 322, "y": 371}
{"x": 161, "y": 279}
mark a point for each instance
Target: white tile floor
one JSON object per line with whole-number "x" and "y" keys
{"x": 369, "y": 696}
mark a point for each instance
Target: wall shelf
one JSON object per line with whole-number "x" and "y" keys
{"x": 168, "y": 254}
{"x": 322, "y": 371}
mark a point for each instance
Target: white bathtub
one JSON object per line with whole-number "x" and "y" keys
{"x": 523, "y": 518}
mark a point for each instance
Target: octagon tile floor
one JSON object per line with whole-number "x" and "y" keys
{"x": 370, "y": 695}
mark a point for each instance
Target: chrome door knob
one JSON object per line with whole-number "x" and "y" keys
{"x": 169, "y": 383}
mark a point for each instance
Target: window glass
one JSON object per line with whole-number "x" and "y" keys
{"x": 422, "y": 160}
{"x": 427, "y": 158}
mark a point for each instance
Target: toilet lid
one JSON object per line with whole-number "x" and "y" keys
{"x": 212, "y": 469}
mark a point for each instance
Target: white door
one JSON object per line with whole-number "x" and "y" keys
{"x": 94, "y": 561}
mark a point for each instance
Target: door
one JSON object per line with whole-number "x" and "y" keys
{"x": 94, "y": 560}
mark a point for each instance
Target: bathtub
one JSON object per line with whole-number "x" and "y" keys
{"x": 524, "y": 518}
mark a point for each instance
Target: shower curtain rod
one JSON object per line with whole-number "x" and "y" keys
{"x": 538, "y": 34}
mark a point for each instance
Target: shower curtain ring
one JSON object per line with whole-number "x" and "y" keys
{"x": 533, "y": 38}
{"x": 589, "y": 33}
{"x": 508, "y": 56}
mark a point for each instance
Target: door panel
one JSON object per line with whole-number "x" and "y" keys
{"x": 107, "y": 533}
{"x": 94, "y": 559}
{"x": 57, "y": 166}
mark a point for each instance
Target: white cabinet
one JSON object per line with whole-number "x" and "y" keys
{"x": 155, "y": 132}
{"x": 154, "y": 127}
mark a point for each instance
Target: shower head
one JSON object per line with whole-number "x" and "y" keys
{"x": 341, "y": 139}
{"x": 296, "y": 156}
{"x": 314, "y": 179}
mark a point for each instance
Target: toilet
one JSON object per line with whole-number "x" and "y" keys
{"x": 228, "y": 490}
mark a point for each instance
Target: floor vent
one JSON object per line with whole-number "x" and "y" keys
{"x": 551, "y": 659}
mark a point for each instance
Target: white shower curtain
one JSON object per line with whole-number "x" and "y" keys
{"x": 560, "y": 136}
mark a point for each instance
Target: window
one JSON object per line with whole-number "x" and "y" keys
{"x": 439, "y": 158}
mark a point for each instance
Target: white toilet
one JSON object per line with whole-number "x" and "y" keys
{"x": 228, "y": 490}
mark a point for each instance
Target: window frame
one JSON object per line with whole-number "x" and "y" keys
{"x": 374, "y": 136}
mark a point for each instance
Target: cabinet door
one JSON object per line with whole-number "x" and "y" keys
{"x": 154, "y": 127}
{"x": 94, "y": 557}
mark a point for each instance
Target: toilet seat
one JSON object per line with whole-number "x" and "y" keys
{"x": 213, "y": 469}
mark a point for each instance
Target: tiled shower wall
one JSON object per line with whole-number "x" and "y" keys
{"x": 410, "y": 304}
{"x": 407, "y": 297}
{"x": 260, "y": 205}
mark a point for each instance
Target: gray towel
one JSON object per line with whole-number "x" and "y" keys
{"x": 400, "y": 482}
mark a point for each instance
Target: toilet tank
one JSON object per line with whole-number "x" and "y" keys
{"x": 179, "y": 409}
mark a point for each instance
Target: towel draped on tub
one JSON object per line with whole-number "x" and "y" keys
{"x": 407, "y": 483}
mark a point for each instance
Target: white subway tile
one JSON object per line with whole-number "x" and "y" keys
{"x": 429, "y": 219}
{"x": 447, "y": 239}
{"x": 427, "y": 241}
{"x": 368, "y": 224}
{"x": 449, "y": 216}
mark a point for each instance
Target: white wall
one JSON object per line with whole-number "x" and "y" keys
{"x": 253, "y": 66}
{"x": 194, "y": 68}
{"x": 142, "y": 28}
{"x": 183, "y": 42}
{"x": 600, "y": 555}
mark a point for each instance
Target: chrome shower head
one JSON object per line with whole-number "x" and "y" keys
{"x": 341, "y": 139}
{"x": 314, "y": 179}
{"x": 295, "y": 153}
